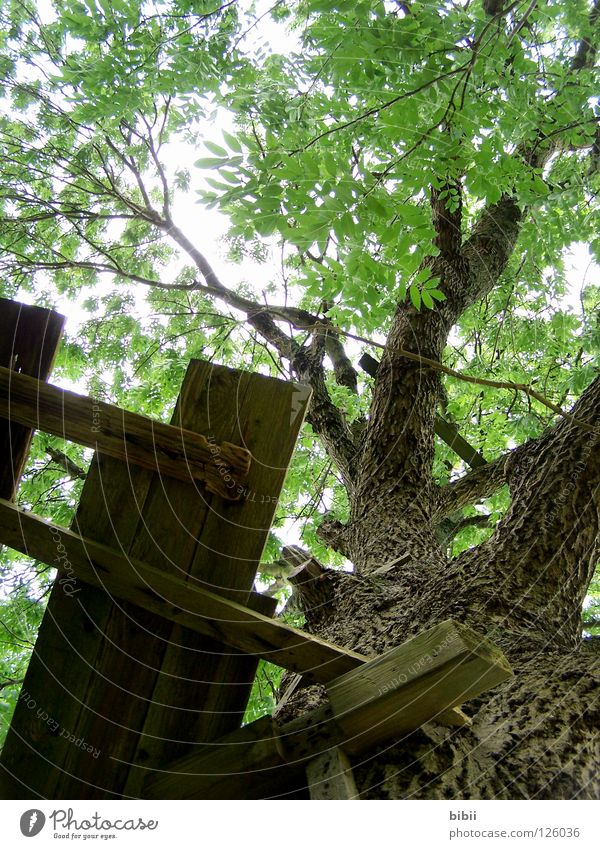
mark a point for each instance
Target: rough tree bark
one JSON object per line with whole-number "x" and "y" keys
{"x": 537, "y": 735}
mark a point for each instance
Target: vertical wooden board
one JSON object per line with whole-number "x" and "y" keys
{"x": 70, "y": 640}
{"x": 66, "y": 647}
{"x": 223, "y": 402}
{"x": 330, "y": 776}
{"x": 82, "y": 706}
{"x": 29, "y": 340}
{"x": 203, "y": 687}
{"x": 133, "y": 641}
{"x": 229, "y": 549}
{"x": 234, "y": 534}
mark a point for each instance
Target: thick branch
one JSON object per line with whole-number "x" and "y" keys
{"x": 326, "y": 419}
{"x": 483, "y": 257}
{"x": 535, "y": 569}
{"x": 453, "y": 525}
{"x": 586, "y": 51}
{"x": 344, "y": 371}
{"x": 471, "y": 488}
{"x": 63, "y": 460}
{"x": 486, "y": 252}
{"x": 445, "y": 430}
{"x": 446, "y": 214}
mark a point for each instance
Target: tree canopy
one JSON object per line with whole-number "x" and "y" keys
{"x": 359, "y": 152}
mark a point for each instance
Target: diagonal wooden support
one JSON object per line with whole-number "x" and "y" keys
{"x": 127, "y": 436}
{"x": 184, "y": 602}
{"x": 380, "y": 701}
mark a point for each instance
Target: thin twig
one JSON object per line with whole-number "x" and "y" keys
{"x": 526, "y": 388}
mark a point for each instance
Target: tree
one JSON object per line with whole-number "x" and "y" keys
{"x": 422, "y": 168}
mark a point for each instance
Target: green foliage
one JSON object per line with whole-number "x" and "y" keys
{"x": 20, "y": 618}
{"x": 591, "y": 610}
{"x": 263, "y": 697}
{"x": 321, "y": 156}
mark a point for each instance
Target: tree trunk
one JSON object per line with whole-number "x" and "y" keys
{"x": 536, "y": 736}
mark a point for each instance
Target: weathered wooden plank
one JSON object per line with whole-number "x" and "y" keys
{"x": 330, "y": 776}
{"x": 183, "y": 602}
{"x": 265, "y": 416}
{"x": 112, "y": 695}
{"x": 194, "y": 686}
{"x": 196, "y": 690}
{"x": 127, "y": 436}
{"x": 65, "y": 654}
{"x": 414, "y": 683}
{"x": 244, "y": 764}
{"x": 120, "y": 649}
{"x": 29, "y": 340}
{"x": 378, "y": 702}
{"x": 445, "y": 430}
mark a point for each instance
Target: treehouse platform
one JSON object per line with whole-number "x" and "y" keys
{"x": 144, "y": 662}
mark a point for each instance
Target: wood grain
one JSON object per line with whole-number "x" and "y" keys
{"x": 138, "y": 687}
{"x": 415, "y": 683}
{"x": 330, "y": 776}
{"x": 379, "y": 702}
{"x": 184, "y": 602}
{"x": 132, "y": 438}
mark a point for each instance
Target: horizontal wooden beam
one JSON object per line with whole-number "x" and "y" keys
{"x": 245, "y": 764}
{"x": 445, "y": 430}
{"x": 379, "y": 702}
{"x": 172, "y": 451}
{"x": 182, "y": 601}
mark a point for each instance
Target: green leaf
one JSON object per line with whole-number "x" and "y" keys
{"x": 208, "y": 162}
{"x": 427, "y": 299}
{"x": 415, "y": 296}
{"x": 437, "y": 294}
{"x": 216, "y": 149}
{"x": 232, "y": 142}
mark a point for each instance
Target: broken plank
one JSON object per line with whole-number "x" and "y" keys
{"x": 417, "y": 682}
{"x": 185, "y": 603}
{"x": 330, "y": 776}
{"x": 28, "y": 344}
{"x": 133, "y": 438}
